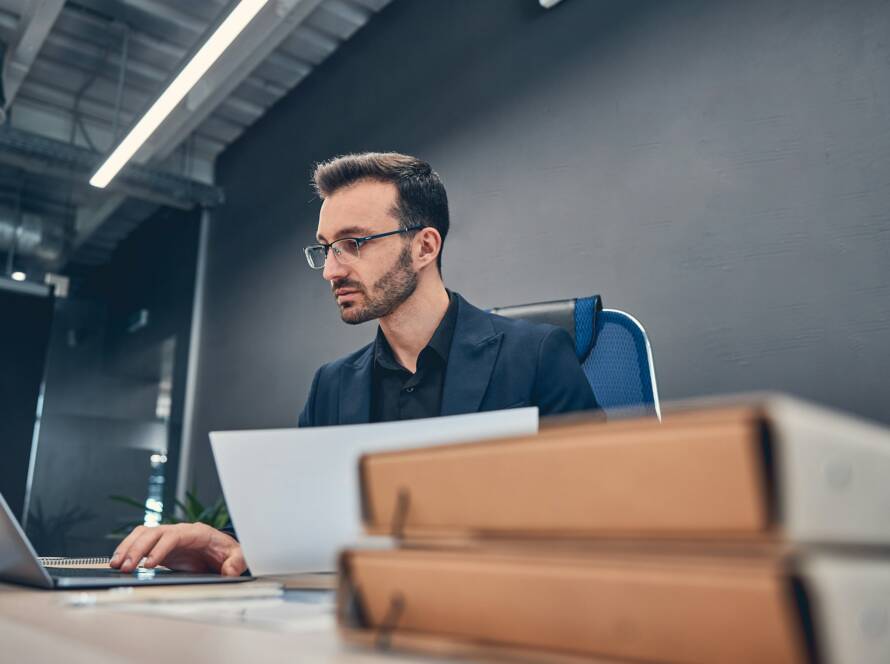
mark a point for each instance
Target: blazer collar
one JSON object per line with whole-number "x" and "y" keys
{"x": 474, "y": 350}
{"x": 356, "y": 383}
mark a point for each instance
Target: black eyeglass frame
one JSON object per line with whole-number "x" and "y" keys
{"x": 359, "y": 241}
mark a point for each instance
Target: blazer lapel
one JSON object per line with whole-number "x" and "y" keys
{"x": 355, "y": 389}
{"x": 474, "y": 350}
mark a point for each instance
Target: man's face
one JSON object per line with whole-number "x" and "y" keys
{"x": 383, "y": 276}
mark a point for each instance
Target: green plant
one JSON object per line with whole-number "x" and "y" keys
{"x": 192, "y": 511}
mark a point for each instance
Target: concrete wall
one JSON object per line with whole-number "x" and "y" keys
{"x": 719, "y": 169}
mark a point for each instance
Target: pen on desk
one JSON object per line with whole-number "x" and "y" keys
{"x": 130, "y": 595}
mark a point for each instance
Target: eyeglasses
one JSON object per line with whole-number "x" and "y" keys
{"x": 346, "y": 249}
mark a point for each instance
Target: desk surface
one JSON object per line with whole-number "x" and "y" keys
{"x": 36, "y": 627}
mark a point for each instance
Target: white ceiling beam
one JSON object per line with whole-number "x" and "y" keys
{"x": 8, "y": 24}
{"x": 92, "y": 53}
{"x": 259, "y": 39}
{"x": 90, "y": 109}
{"x": 168, "y": 13}
{"x": 317, "y": 39}
{"x": 90, "y": 219}
{"x": 289, "y": 63}
{"x": 44, "y": 118}
{"x": 168, "y": 49}
{"x": 245, "y": 106}
{"x": 269, "y": 28}
{"x": 35, "y": 23}
{"x": 357, "y": 16}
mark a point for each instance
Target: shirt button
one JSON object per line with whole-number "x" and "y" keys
{"x": 409, "y": 390}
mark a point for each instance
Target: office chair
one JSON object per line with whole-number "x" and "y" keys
{"x": 611, "y": 346}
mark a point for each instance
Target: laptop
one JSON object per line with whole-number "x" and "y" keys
{"x": 19, "y": 564}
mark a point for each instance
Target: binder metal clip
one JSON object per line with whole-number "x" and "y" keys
{"x": 390, "y": 621}
{"x": 400, "y": 514}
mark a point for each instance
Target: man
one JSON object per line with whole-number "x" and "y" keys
{"x": 381, "y": 228}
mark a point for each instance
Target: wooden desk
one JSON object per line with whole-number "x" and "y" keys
{"x": 36, "y": 627}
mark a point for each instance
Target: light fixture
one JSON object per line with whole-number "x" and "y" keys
{"x": 218, "y": 42}
{"x": 18, "y": 276}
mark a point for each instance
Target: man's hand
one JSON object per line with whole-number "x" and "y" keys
{"x": 192, "y": 547}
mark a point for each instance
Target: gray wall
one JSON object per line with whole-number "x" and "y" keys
{"x": 720, "y": 169}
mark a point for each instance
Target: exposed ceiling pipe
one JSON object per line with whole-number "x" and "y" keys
{"x": 30, "y": 235}
{"x": 45, "y": 156}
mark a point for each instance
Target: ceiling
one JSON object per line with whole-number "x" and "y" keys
{"x": 78, "y": 73}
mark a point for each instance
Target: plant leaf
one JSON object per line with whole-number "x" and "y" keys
{"x": 183, "y": 509}
{"x": 215, "y": 510}
{"x": 195, "y": 508}
{"x": 211, "y": 513}
{"x": 222, "y": 518}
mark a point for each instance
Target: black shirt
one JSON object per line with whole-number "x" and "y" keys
{"x": 400, "y": 395}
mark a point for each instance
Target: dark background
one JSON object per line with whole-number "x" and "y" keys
{"x": 719, "y": 169}
{"x": 24, "y": 336}
{"x": 100, "y": 422}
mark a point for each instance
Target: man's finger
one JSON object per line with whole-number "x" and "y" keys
{"x": 142, "y": 545}
{"x": 118, "y": 556}
{"x": 235, "y": 564}
{"x": 169, "y": 540}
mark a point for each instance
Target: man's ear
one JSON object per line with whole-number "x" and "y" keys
{"x": 429, "y": 244}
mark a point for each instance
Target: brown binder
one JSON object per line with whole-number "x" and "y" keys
{"x": 702, "y": 474}
{"x": 655, "y": 608}
{"x": 769, "y": 468}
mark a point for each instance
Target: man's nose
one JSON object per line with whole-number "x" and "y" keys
{"x": 333, "y": 269}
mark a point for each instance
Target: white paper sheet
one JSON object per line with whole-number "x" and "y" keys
{"x": 293, "y": 493}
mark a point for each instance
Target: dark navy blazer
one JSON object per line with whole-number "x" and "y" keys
{"x": 494, "y": 363}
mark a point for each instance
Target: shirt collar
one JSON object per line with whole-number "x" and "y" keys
{"x": 440, "y": 342}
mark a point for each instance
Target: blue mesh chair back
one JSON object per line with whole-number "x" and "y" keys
{"x": 611, "y": 346}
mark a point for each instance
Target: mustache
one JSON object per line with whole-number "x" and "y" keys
{"x": 347, "y": 283}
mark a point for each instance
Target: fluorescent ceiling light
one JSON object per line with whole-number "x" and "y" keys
{"x": 218, "y": 42}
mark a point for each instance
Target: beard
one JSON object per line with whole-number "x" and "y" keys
{"x": 387, "y": 293}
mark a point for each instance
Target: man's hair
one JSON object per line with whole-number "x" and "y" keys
{"x": 422, "y": 200}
